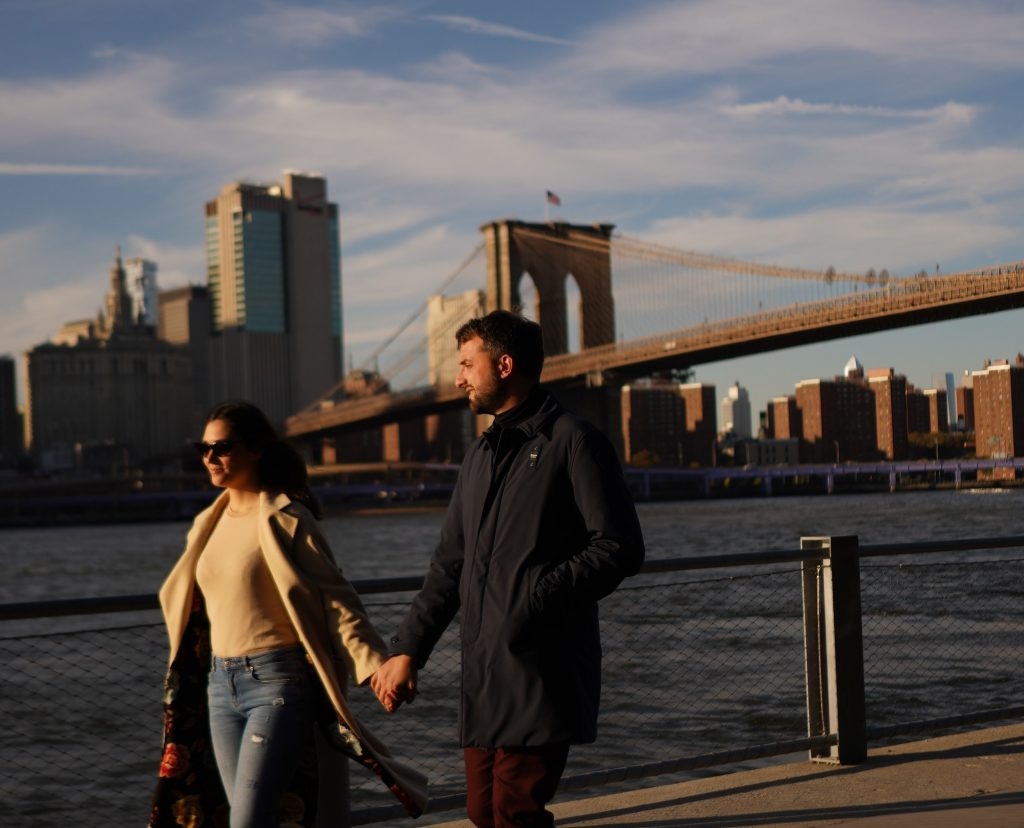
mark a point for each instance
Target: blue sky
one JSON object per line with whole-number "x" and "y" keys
{"x": 811, "y": 133}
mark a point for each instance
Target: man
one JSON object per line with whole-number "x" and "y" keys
{"x": 539, "y": 528}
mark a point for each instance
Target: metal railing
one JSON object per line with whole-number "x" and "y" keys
{"x": 715, "y": 660}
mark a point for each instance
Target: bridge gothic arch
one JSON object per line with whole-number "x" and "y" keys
{"x": 573, "y": 314}
{"x": 527, "y": 300}
{"x": 551, "y": 254}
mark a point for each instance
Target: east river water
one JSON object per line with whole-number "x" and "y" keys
{"x": 124, "y": 559}
{"x": 695, "y": 662}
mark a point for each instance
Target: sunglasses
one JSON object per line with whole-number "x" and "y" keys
{"x": 218, "y": 448}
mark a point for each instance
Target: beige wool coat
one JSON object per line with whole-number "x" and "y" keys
{"x": 327, "y": 613}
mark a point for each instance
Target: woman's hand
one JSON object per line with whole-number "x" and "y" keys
{"x": 395, "y": 682}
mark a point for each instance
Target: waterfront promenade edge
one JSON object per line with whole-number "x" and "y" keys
{"x": 967, "y": 779}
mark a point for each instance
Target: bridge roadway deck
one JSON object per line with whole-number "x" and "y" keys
{"x": 908, "y": 302}
{"x": 967, "y": 779}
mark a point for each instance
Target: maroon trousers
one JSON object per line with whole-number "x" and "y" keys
{"x": 510, "y": 786}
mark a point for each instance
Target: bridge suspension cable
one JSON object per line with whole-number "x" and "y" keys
{"x": 371, "y": 359}
{"x": 413, "y": 353}
{"x": 654, "y": 289}
{"x": 651, "y": 251}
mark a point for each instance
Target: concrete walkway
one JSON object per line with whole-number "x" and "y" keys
{"x": 966, "y": 780}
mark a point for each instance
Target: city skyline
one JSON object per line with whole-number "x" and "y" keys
{"x": 880, "y": 135}
{"x": 769, "y": 390}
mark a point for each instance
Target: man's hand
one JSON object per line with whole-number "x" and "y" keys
{"x": 395, "y": 682}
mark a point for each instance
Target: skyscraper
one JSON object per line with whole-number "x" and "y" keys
{"x": 736, "y": 411}
{"x": 838, "y": 419}
{"x": 653, "y": 423}
{"x": 274, "y": 268}
{"x": 999, "y": 410}
{"x": 699, "y": 443}
{"x": 668, "y": 424}
{"x": 947, "y": 382}
{"x": 890, "y": 390}
{"x": 965, "y": 407}
{"x": 784, "y": 419}
{"x": 10, "y": 419}
{"x": 918, "y": 417}
{"x": 140, "y": 282}
{"x": 183, "y": 318}
{"x": 938, "y": 410}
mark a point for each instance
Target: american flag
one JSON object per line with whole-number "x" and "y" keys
{"x": 553, "y": 199}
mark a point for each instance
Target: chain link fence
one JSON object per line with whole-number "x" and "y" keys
{"x": 941, "y": 638}
{"x": 696, "y": 664}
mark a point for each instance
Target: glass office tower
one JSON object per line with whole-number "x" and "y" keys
{"x": 274, "y": 271}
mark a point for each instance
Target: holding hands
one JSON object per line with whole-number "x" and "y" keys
{"x": 395, "y": 682}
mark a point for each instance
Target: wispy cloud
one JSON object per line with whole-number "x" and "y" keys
{"x": 852, "y": 238}
{"x": 473, "y": 25}
{"x": 105, "y": 51}
{"x": 313, "y": 27}
{"x": 708, "y": 37}
{"x": 457, "y": 67}
{"x": 364, "y": 223}
{"x": 950, "y": 111}
{"x": 34, "y": 270}
{"x": 9, "y": 168}
{"x": 618, "y": 120}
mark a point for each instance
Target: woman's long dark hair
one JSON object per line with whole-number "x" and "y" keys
{"x": 281, "y": 468}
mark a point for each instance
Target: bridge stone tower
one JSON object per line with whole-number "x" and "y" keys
{"x": 550, "y": 252}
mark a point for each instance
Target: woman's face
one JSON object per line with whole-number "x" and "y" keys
{"x": 229, "y": 463}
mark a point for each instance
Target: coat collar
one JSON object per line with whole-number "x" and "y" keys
{"x": 538, "y": 409}
{"x": 276, "y": 508}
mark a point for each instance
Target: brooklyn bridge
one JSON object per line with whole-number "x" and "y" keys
{"x": 614, "y": 308}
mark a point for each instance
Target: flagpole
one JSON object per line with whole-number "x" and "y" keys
{"x": 546, "y": 202}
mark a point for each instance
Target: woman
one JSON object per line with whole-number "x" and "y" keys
{"x": 264, "y": 632}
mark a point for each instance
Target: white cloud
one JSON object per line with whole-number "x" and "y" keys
{"x": 782, "y": 105}
{"x": 176, "y": 266}
{"x": 33, "y": 317}
{"x": 112, "y": 113}
{"x": 407, "y": 157}
{"x": 473, "y": 25}
{"x": 360, "y": 223}
{"x": 40, "y": 267}
{"x": 851, "y": 238}
{"x": 457, "y": 67}
{"x": 425, "y": 260}
{"x": 8, "y": 168}
{"x": 311, "y": 26}
{"x": 475, "y": 138}
{"x": 712, "y": 36}
{"x": 105, "y": 51}
{"x": 38, "y": 314}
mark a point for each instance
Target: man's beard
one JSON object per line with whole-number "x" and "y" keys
{"x": 488, "y": 400}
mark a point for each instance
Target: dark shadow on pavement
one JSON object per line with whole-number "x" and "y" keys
{"x": 812, "y": 814}
{"x": 998, "y": 747}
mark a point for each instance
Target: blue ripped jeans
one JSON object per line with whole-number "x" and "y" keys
{"x": 261, "y": 711}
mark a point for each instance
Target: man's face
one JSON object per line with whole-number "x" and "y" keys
{"x": 480, "y": 377}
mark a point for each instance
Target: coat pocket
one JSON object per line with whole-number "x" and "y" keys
{"x": 526, "y": 620}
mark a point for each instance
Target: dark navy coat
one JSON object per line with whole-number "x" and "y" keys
{"x": 540, "y": 527}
